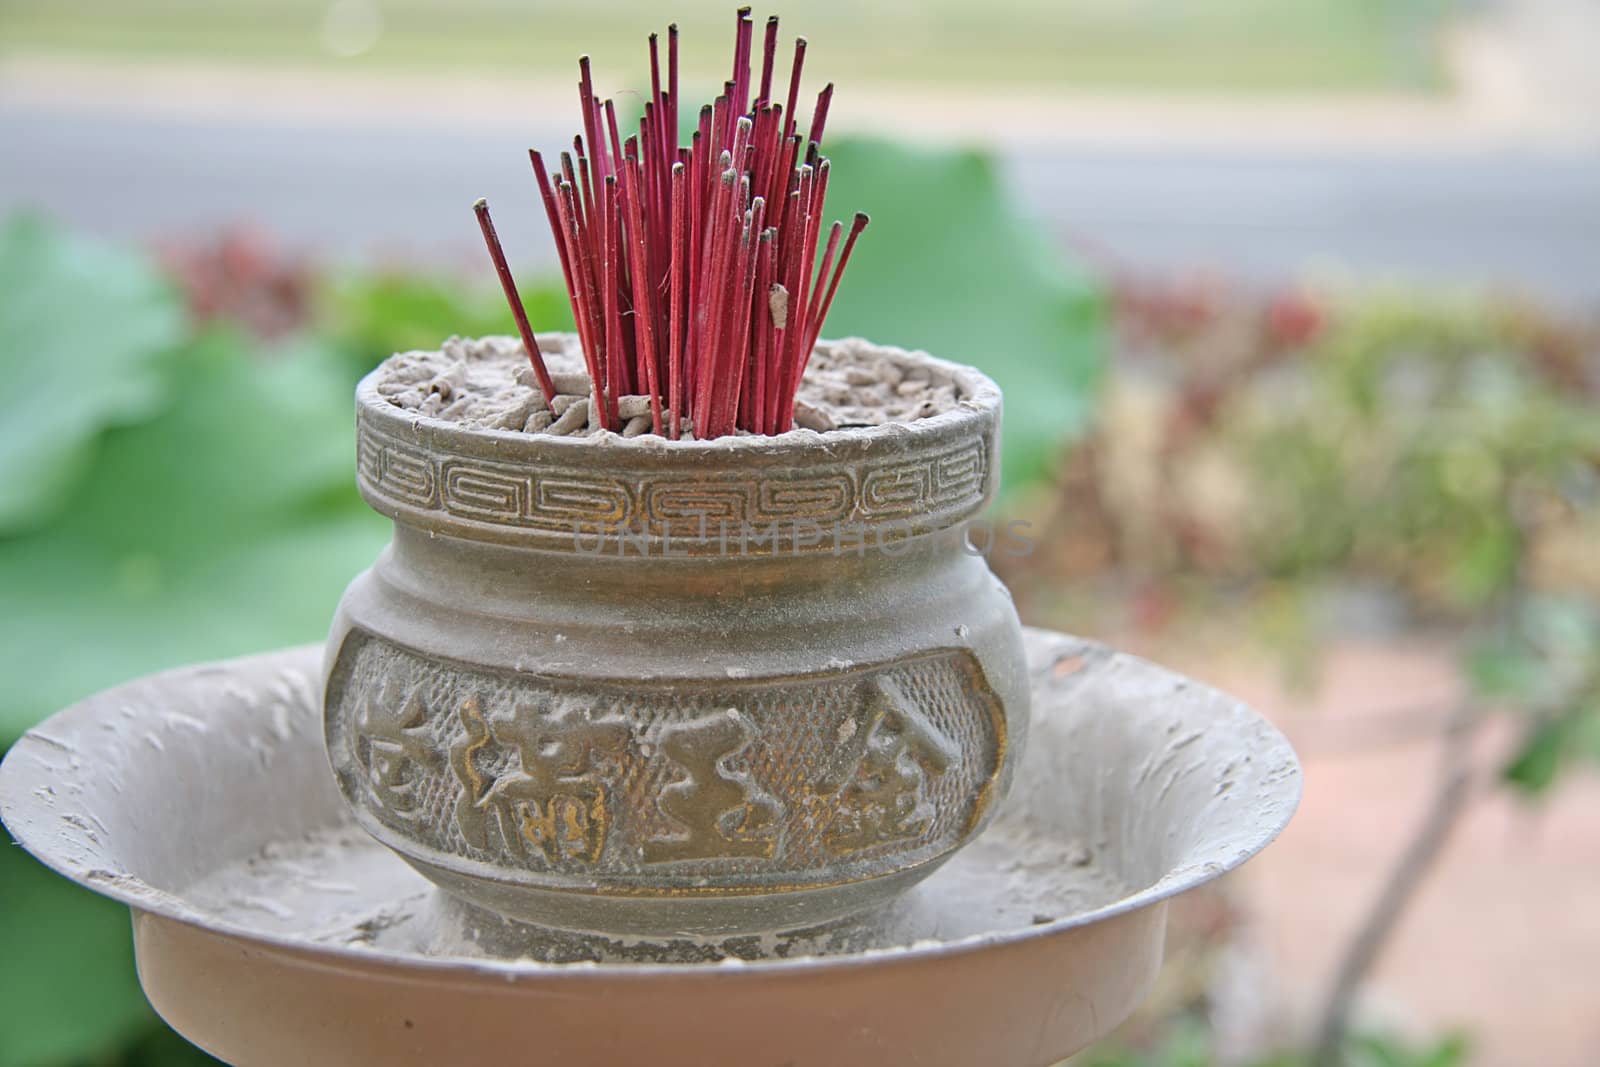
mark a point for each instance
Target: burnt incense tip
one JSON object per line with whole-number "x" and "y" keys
{"x": 481, "y": 205}
{"x": 800, "y": 43}
{"x": 744, "y": 13}
{"x": 862, "y": 218}
{"x": 677, "y": 168}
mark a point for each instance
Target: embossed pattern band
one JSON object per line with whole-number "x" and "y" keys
{"x": 638, "y": 788}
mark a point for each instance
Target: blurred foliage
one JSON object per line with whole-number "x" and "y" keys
{"x": 227, "y": 525}
{"x": 1415, "y": 447}
{"x": 369, "y": 317}
{"x": 1188, "y": 1043}
{"x": 950, "y": 267}
{"x": 1545, "y": 660}
{"x": 67, "y": 989}
{"x": 178, "y": 477}
{"x": 1409, "y": 460}
{"x": 72, "y": 370}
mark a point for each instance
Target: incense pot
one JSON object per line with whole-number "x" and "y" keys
{"x": 641, "y": 686}
{"x": 695, "y": 672}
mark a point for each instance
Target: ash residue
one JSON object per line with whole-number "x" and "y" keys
{"x": 488, "y": 384}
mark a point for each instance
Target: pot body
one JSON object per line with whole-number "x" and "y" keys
{"x": 663, "y": 689}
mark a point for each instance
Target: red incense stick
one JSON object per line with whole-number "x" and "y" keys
{"x": 692, "y": 270}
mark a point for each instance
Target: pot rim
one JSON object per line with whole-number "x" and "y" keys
{"x": 536, "y": 490}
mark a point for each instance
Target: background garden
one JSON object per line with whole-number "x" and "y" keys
{"x": 1259, "y": 479}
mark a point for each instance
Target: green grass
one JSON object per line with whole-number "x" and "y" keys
{"x": 1242, "y": 45}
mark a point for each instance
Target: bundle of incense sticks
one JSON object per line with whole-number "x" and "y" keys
{"x": 692, "y": 271}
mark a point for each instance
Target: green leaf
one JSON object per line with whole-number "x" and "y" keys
{"x": 375, "y": 316}
{"x": 1501, "y": 670}
{"x": 949, "y": 265}
{"x": 67, "y": 987}
{"x": 1539, "y": 758}
{"x": 1485, "y": 562}
{"x": 1371, "y": 1050}
{"x": 163, "y": 1047}
{"x": 1586, "y": 734}
{"x": 84, "y": 327}
{"x": 228, "y": 525}
{"x": 1448, "y": 1053}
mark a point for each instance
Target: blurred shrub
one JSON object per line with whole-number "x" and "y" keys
{"x": 371, "y": 316}
{"x": 1187, "y": 1043}
{"x": 1412, "y": 441}
{"x": 949, "y": 266}
{"x": 1398, "y": 457}
{"x": 207, "y": 510}
{"x": 83, "y": 332}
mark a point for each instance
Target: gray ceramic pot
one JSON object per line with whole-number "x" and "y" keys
{"x": 649, "y": 687}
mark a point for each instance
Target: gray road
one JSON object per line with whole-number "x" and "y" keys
{"x": 359, "y": 190}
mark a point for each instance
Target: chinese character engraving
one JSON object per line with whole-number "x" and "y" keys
{"x": 396, "y": 749}
{"x": 888, "y": 753}
{"x": 541, "y": 779}
{"x": 697, "y": 783}
{"x": 719, "y": 809}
